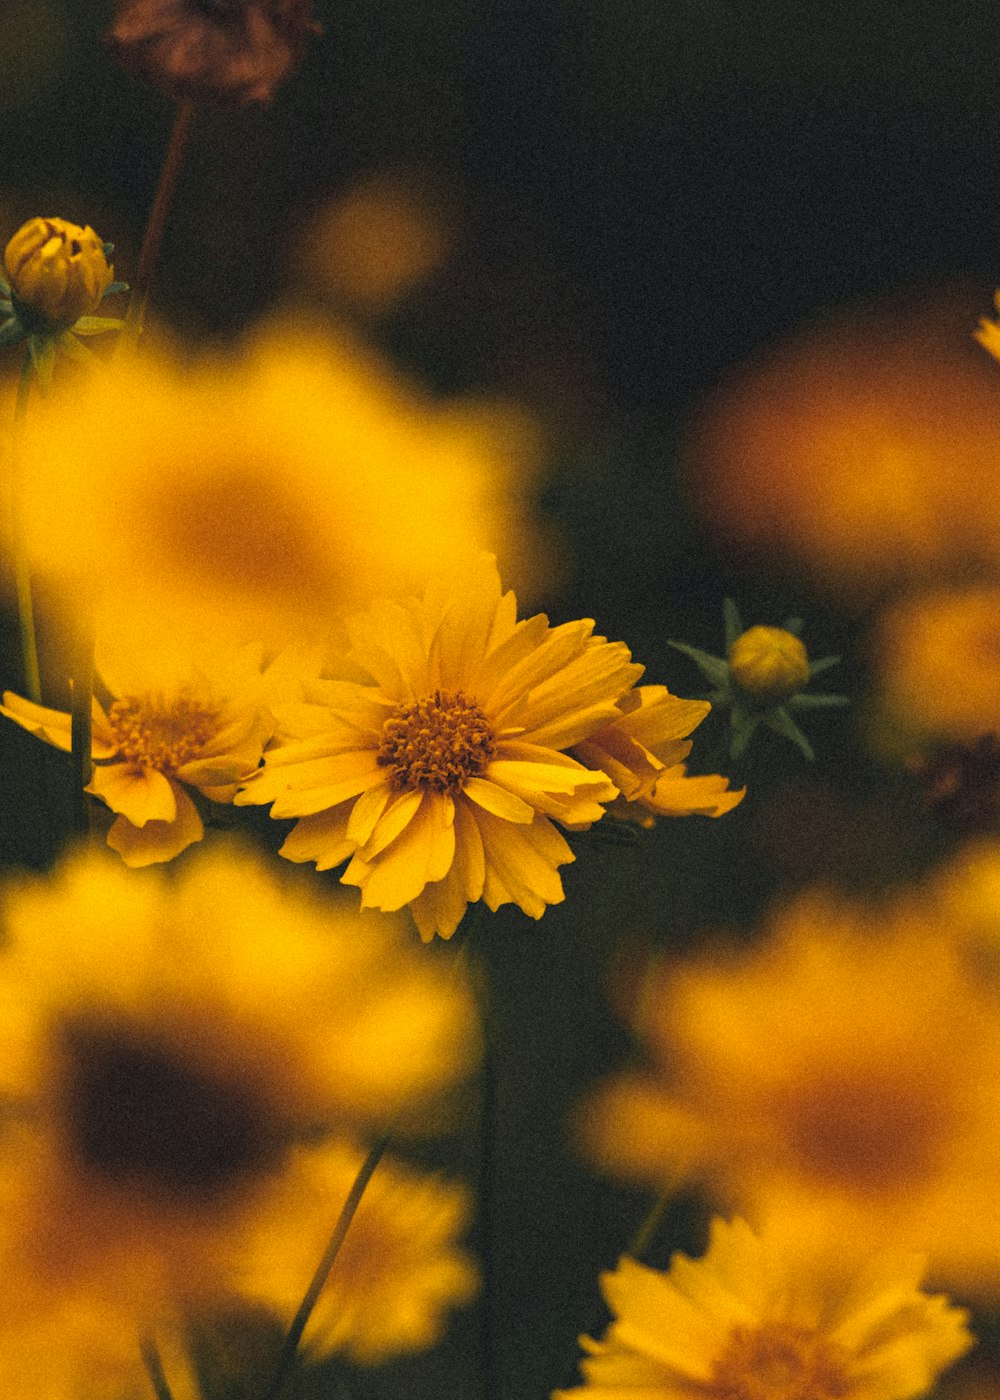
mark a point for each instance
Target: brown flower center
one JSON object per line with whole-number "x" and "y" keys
{"x": 779, "y": 1361}
{"x": 159, "y": 734}
{"x": 141, "y": 1114}
{"x": 438, "y": 742}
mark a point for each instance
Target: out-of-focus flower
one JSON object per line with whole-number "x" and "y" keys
{"x": 177, "y": 720}
{"x": 399, "y": 1270}
{"x": 747, "y": 1323}
{"x": 58, "y": 274}
{"x": 762, "y": 679}
{"x": 839, "y": 1083}
{"x": 439, "y": 780}
{"x": 375, "y": 241}
{"x": 961, "y": 784}
{"x": 864, "y": 450}
{"x": 937, "y": 656}
{"x": 174, "y": 1055}
{"x": 219, "y": 51}
{"x": 642, "y": 751}
{"x": 265, "y": 492}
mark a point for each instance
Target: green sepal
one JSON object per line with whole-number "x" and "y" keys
{"x": 781, "y": 722}
{"x": 4, "y": 285}
{"x": 793, "y": 625}
{"x": 97, "y": 325}
{"x": 43, "y": 357}
{"x": 823, "y": 664}
{"x": 744, "y": 725}
{"x": 114, "y": 289}
{"x": 731, "y": 622}
{"x": 713, "y": 668}
{"x": 70, "y": 346}
{"x": 6, "y": 306}
{"x": 11, "y": 332}
{"x": 109, "y": 249}
{"x": 817, "y": 702}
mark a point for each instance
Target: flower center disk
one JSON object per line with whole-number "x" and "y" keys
{"x": 779, "y": 1361}
{"x": 438, "y": 742}
{"x": 163, "y": 735}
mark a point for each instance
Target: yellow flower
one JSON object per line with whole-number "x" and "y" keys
{"x": 262, "y": 492}
{"x": 172, "y": 1053}
{"x": 177, "y": 720}
{"x": 938, "y": 655}
{"x": 769, "y": 663}
{"x": 745, "y": 1323}
{"x": 58, "y": 272}
{"x": 440, "y": 779}
{"x": 399, "y": 1269}
{"x": 641, "y": 752}
{"x": 839, "y": 1083}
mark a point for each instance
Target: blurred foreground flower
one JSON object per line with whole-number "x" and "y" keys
{"x": 259, "y": 494}
{"x": 762, "y": 679}
{"x": 398, "y": 1272}
{"x": 745, "y": 1323}
{"x": 439, "y": 778}
{"x": 178, "y": 720}
{"x": 58, "y": 276}
{"x": 839, "y": 1084}
{"x": 222, "y": 51}
{"x": 172, "y": 1053}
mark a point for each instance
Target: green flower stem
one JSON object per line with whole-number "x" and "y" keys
{"x": 648, "y": 1227}
{"x": 22, "y": 568}
{"x": 347, "y": 1213}
{"x": 82, "y": 682}
{"x": 153, "y": 237}
{"x": 154, "y": 1367}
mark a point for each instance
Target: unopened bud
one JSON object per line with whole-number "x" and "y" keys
{"x": 57, "y": 271}
{"x": 769, "y": 663}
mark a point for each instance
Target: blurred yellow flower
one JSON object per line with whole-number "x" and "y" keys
{"x": 641, "y": 752}
{"x": 261, "y": 492}
{"x": 399, "y": 1270}
{"x": 177, "y": 720}
{"x": 170, "y": 1051}
{"x": 747, "y": 1323}
{"x": 937, "y": 658}
{"x": 839, "y": 1083}
{"x": 439, "y": 780}
{"x": 58, "y": 272}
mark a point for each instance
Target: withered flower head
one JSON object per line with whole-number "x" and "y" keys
{"x": 222, "y": 51}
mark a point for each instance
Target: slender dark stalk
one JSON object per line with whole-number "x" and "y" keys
{"x": 162, "y": 200}
{"x": 81, "y": 703}
{"x": 154, "y": 1367}
{"x": 299, "y": 1322}
{"x": 22, "y": 568}
{"x": 487, "y": 1232}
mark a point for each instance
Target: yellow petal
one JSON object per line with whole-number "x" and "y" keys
{"x": 157, "y": 840}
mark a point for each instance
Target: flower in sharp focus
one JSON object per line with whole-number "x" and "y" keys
{"x": 642, "y": 751}
{"x": 58, "y": 274}
{"x": 220, "y": 51}
{"x": 839, "y": 1082}
{"x": 178, "y": 1056}
{"x": 440, "y": 781}
{"x": 264, "y": 491}
{"x": 399, "y": 1271}
{"x": 176, "y": 721}
{"x": 746, "y": 1323}
{"x": 761, "y": 680}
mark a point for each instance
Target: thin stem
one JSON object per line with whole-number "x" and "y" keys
{"x": 347, "y": 1213}
{"x": 154, "y": 1367}
{"x": 153, "y": 237}
{"x": 648, "y": 1227}
{"x": 22, "y": 567}
{"x": 487, "y": 1219}
{"x": 81, "y": 703}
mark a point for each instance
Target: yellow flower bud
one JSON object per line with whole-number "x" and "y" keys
{"x": 57, "y": 272}
{"x": 769, "y": 663}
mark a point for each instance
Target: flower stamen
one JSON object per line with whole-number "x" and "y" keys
{"x": 779, "y": 1361}
{"x": 158, "y": 734}
{"x": 438, "y": 742}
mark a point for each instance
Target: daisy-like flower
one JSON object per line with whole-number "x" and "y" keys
{"x": 642, "y": 751}
{"x": 398, "y": 1273}
{"x": 747, "y": 1323}
{"x": 839, "y": 1083}
{"x": 440, "y": 780}
{"x": 177, "y": 1057}
{"x": 176, "y": 721}
{"x": 266, "y": 491}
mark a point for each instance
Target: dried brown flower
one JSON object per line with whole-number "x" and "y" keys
{"x": 222, "y": 51}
